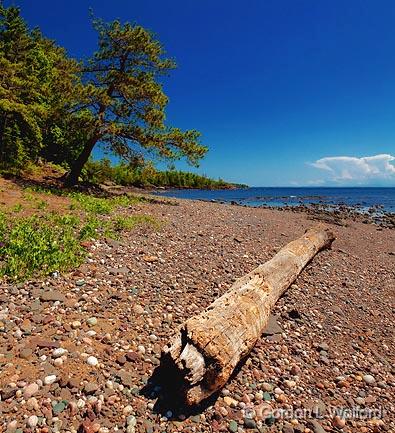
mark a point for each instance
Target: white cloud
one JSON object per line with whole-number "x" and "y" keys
{"x": 364, "y": 169}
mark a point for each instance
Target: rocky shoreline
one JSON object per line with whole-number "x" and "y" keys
{"x": 331, "y": 213}
{"x": 78, "y": 351}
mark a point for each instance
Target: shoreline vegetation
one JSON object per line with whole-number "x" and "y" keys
{"x": 147, "y": 176}
{"x": 45, "y": 226}
{"x": 45, "y": 230}
{"x": 102, "y": 173}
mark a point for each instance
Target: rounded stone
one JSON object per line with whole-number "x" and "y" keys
{"x": 25, "y": 353}
{"x": 127, "y": 410}
{"x": 229, "y": 401}
{"x": 12, "y": 425}
{"x": 131, "y": 421}
{"x": 57, "y": 353}
{"x": 290, "y": 383}
{"x": 268, "y": 387}
{"x": 92, "y": 321}
{"x": 58, "y": 362}
{"x": 76, "y": 324}
{"x": 338, "y": 422}
{"x": 233, "y": 426}
{"x": 59, "y": 407}
{"x": 369, "y": 379}
{"x": 49, "y": 380}
{"x": 138, "y": 309}
{"x": 30, "y": 390}
{"x": 249, "y": 423}
{"x": 92, "y": 361}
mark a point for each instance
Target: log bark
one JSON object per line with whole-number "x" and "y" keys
{"x": 207, "y": 347}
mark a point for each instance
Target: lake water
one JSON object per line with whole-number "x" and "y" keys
{"x": 363, "y": 198}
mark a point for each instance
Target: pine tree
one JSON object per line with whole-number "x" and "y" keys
{"x": 39, "y": 86}
{"x": 127, "y": 101}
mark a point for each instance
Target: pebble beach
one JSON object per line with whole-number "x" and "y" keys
{"x": 78, "y": 351}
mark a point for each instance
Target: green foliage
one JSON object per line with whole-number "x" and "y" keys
{"x": 101, "y": 205}
{"x": 40, "y": 245}
{"x": 90, "y": 228}
{"x": 33, "y": 244}
{"x": 42, "y": 204}
{"x": 55, "y": 108}
{"x": 127, "y": 101}
{"x": 68, "y": 220}
{"x": 28, "y": 195}
{"x": 91, "y": 204}
{"x": 38, "y": 87}
{"x": 17, "y": 208}
{"x": 145, "y": 175}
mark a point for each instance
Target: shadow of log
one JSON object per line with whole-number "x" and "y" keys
{"x": 168, "y": 388}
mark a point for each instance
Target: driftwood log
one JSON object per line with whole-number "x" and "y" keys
{"x": 207, "y": 347}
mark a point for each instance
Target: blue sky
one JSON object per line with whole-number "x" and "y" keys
{"x": 284, "y": 92}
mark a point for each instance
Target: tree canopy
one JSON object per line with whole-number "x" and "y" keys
{"x": 38, "y": 84}
{"x": 56, "y": 108}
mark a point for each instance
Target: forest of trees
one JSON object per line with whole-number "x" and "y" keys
{"x": 55, "y": 108}
{"x": 145, "y": 175}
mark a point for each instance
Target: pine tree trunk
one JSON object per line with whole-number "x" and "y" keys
{"x": 75, "y": 172}
{"x": 207, "y": 348}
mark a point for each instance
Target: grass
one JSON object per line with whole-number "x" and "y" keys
{"x": 47, "y": 241}
{"x": 100, "y": 205}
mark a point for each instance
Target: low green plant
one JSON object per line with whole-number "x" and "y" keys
{"x": 17, "y": 208}
{"x": 42, "y": 244}
{"x": 127, "y": 200}
{"x": 102, "y": 205}
{"x": 3, "y": 228}
{"x": 91, "y": 204}
{"x": 37, "y": 245}
{"x": 42, "y": 204}
{"x": 67, "y": 219}
{"x": 28, "y": 195}
{"x": 89, "y": 229}
{"x": 130, "y": 222}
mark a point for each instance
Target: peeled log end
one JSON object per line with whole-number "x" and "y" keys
{"x": 193, "y": 371}
{"x": 187, "y": 364}
{"x": 193, "y": 362}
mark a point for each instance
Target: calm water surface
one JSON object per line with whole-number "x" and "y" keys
{"x": 364, "y": 198}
